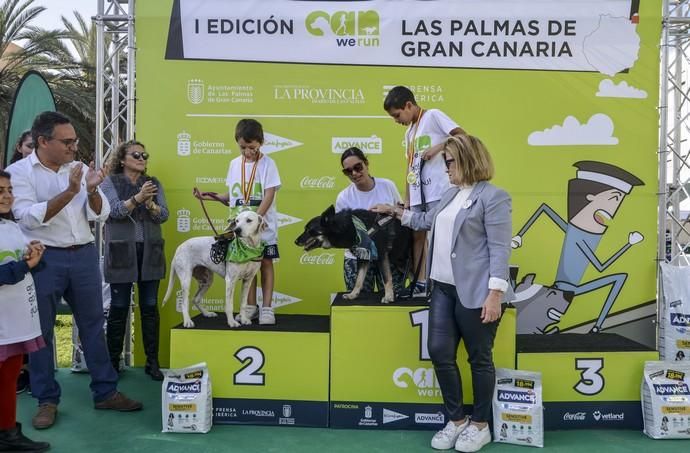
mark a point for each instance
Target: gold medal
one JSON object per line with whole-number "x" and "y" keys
{"x": 411, "y": 178}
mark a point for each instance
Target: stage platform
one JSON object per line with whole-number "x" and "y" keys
{"x": 80, "y": 428}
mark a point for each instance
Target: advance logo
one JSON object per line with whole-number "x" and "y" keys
{"x": 671, "y": 389}
{"x": 430, "y": 419}
{"x": 350, "y": 28}
{"x": 680, "y": 319}
{"x": 510, "y": 396}
{"x": 390, "y": 416}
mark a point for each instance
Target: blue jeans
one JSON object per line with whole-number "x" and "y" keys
{"x": 450, "y": 322}
{"x": 72, "y": 274}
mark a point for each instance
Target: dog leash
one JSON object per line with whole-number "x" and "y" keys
{"x": 199, "y": 195}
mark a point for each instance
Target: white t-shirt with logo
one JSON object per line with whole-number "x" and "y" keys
{"x": 434, "y": 128}
{"x": 266, "y": 178}
{"x": 19, "y": 319}
{"x": 384, "y": 191}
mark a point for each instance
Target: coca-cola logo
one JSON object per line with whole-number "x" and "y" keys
{"x": 318, "y": 182}
{"x": 322, "y": 259}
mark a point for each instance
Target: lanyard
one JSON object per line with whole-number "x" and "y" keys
{"x": 410, "y": 143}
{"x": 247, "y": 188}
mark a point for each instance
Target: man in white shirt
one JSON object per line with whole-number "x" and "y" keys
{"x": 55, "y": 199}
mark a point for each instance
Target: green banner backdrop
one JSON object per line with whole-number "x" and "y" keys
{"x": 547, "y": 85}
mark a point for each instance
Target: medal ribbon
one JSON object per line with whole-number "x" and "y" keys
{"x": 247, "y": 188}
{"x": 410, "y": 143}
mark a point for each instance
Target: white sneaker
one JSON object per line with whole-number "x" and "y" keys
{"x": 267, "y": 317}
{"x": 473, "y": 438}
{"x": 446, "y": 438}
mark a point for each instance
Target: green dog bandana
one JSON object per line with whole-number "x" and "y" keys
{"x": 240, "y": 252}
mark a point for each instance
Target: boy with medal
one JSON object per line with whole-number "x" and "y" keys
{"x": 427, "y": 131}
{"x": 253, "y": 181}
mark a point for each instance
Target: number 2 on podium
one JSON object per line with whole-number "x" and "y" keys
{"x": 253, "y": 359}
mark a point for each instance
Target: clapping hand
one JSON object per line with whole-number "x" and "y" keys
{"x": 94, "y": 177}
{"x": 147, "y": 192}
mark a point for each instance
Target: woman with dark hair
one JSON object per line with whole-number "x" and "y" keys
{"x": 20, "y": 328}
{"x": 23, "y": 147}
{"x": 134, "y": 250}
{"x": 364, "y": 192}
{"x": 468, "y": 266}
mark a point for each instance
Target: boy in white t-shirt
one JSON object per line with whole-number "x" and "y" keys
{"x": 427, "y": 131}
{"x": 253, "y": 181}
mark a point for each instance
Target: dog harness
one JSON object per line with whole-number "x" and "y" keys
{"x": 240, "y": 252}
{"x": 365, "y": 249}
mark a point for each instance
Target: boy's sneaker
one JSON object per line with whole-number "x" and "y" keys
{"x": 473, "y": 438}
{"x": 446, "y": 438}
{"x": 267, "y": 317}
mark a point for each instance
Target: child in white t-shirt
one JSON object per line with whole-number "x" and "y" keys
{"x": 253, "y": 181}
{"x": 20, "y": 328}
{"x": 425, "y": 172}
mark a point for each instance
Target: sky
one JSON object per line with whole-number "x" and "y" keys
{"x": 50, "y": 18}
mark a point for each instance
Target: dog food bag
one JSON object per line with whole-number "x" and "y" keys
{"x": 666, "y": 400}
{"x": 187, "y": 400}
{"x": 518, "y": 408}
{"x": 674, "y": 313}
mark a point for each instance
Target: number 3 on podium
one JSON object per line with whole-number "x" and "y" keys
{"x": 253, "y": 359}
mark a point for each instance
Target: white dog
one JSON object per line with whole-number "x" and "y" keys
{"x": 192, "y": 259}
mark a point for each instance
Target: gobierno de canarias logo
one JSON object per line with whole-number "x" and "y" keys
{"x": 349, "y": 28}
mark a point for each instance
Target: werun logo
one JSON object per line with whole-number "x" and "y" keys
{"x": 274, "y": 143}
{"x": 195, "y": 91}
{"x": 390, "y": 416}
{"x": 370, "y": 145}
{"x": 349, "y": 28}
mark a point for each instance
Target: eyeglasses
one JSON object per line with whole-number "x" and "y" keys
{"x": 139, "y": 156}
{"x": 448, "y": 162}
{"x": 68, "y": 142}
{"x": 358, "y": 167}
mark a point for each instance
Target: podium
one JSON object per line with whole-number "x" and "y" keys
{"x": 381, "y": 373}
{"x": 588, "y": 380}
{"x": 261, "y": 375}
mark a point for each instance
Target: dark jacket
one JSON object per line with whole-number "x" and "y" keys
{"x": 120, "y": 254}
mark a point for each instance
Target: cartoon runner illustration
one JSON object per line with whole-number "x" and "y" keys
{"x": 594, "y": 197}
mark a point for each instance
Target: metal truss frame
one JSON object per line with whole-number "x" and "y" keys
{"x": 674, "y": 128}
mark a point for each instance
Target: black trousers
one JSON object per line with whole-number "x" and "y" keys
{"x": 450, "y": 322}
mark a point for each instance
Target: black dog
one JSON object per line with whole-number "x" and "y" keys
{"x": 384, "y": 236}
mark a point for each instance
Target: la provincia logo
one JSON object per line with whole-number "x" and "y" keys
{"x": 370, "y": 145}
{"x": 319, "y": 95}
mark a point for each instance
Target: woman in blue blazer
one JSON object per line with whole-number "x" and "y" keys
{"x": 469, "y": 248}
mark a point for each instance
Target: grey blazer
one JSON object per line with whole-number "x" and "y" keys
{"x": 481, "y": 240}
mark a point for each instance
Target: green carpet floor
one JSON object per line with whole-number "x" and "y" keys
{"x": 80, "y": 428}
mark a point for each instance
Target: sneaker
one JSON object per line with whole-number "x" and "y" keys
{"x": 267, "y": 317}
{"x": 119, "y": 402}
{"x": 45, "y": 417}
{"x": 446, "y": 438}
{"x": 419, "y": 289}
{"x": 473, "y": 438}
